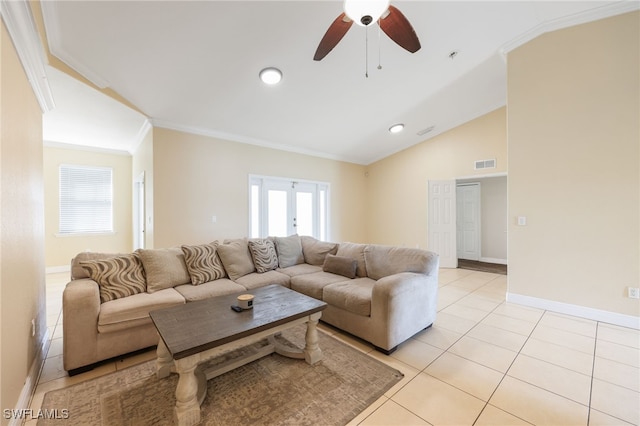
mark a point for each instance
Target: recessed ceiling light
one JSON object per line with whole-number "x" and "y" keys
{"x": 271, "y": 75}
{"x": 396, "y": 128}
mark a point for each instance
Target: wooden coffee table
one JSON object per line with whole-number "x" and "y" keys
{"x": 196, "y": 332}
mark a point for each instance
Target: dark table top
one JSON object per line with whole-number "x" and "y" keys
{"x": 205, "y": 324}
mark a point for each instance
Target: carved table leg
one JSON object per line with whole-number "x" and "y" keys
{"x": 312, "y": 352}
{"x": 164, "y": 361}
{"x": 187, "y": 409}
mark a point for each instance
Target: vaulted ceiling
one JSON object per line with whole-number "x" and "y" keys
{"x": 193, "y": 66}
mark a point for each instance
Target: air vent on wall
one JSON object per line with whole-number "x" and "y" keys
{"x": 485, "y": 164}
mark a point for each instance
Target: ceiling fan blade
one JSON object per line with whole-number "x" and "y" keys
{"x": 398, "y": 28}
{"x": 332, "y": 37}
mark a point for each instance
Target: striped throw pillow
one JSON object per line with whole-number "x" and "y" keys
{"x": 264, "y": 255}
{"x": 117, "y": 277}
{"x": 203, "y": 263}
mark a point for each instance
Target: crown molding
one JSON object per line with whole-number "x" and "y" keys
{"x": 22, "y": 29}
{"x": 142, "y": 133}
{"x": 612, "y": 9}
{"x": 247, "y": 140}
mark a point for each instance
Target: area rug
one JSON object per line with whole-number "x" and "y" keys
{"x": 273, "y": 390}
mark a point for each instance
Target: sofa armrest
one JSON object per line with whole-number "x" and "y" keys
{"x": 80, "y": 311}
{"x": 402, "y": 304}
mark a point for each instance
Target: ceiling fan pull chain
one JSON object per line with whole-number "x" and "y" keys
{"x": 379, "y": 47}
{"x": 366, "y": 51}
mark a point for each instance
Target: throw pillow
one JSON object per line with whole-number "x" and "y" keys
{"x": 165, "y": 268}
{"x": 340, "y": 265}
{"x": 289, "y": 251}
{"x": 264, "y": 255}
{"x": 315, "y": 251}
{"x": 117, "y": 277}
{"x": 236, "y": 258}
{"x": 203, "y": 263}
{"x": 354, "y": 251}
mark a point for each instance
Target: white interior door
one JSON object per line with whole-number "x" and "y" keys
{"x": 442, "y": 221}
{"x": 468, "y": 221}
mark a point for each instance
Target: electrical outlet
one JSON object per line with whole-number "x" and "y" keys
{"x": 634, "y": 292}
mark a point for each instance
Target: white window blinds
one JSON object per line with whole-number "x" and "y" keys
{"x": 86, "y": 199}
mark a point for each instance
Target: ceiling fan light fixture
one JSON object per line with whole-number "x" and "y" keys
{"x": 365, "y": 12}
{"x": 271, "y": 76}
{"x": 396, "y": 128}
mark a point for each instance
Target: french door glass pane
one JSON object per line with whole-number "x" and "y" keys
{"x": 277, "y": 213}
{"x": 304, "y": 213}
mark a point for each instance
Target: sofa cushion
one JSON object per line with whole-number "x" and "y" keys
{"x": 344, "y": 266}
{"x": 236, "y": 258}
{"x": 255, "y": 280}
{"x": 383, "y": 261}
{"x": 215, "y": 288}
{"x": 301, "y": 269}
{"x": 315, "y": 251}
{"x": 353, "y": 296}
{"x": 203, "y": 263}
{"x": 165, "y": 268}
{"x": 263, "y": 252}
{"x": 117, "y": 277}
{"x": 354, "y": 251}
{"x": 312, "y": 284}
{"x": 134, "y": 310}
{"x": 289, "y": 250}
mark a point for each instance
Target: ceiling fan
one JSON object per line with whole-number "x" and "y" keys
{"x": 365, "y": 13}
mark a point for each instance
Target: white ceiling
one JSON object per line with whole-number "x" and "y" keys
{"x": 194, "y": 66}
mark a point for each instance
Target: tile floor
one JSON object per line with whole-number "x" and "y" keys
{"x": 484, "y": 362}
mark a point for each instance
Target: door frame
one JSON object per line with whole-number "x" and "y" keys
{"x": 429, "y": 242}
{"x": 321, "y": 202}
{"x": 139, "y": 212}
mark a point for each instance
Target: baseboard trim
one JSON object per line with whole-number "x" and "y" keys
{"x": 30, "y": 383}
{"x": 494, "y": 260}
{"x": 57, "y": 269}
{"x": 609, "y": 317}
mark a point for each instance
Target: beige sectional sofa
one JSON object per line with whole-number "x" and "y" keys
{"x": 381, "y": 294}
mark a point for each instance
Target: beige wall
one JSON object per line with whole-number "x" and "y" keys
{"x": 22, "y": 291}
{"x": 574, "y": 165}
{"x": 397, "y": 185}
{"x": 196, "y": 177}
{"x": 61, "y": 249}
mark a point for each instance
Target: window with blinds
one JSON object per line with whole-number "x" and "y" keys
{"x": 86, "y": 199}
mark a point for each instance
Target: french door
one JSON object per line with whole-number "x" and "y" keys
{"x": 282, "y": 207}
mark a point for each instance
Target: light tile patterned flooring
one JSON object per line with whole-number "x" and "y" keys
{"x": 484, "y": 362}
